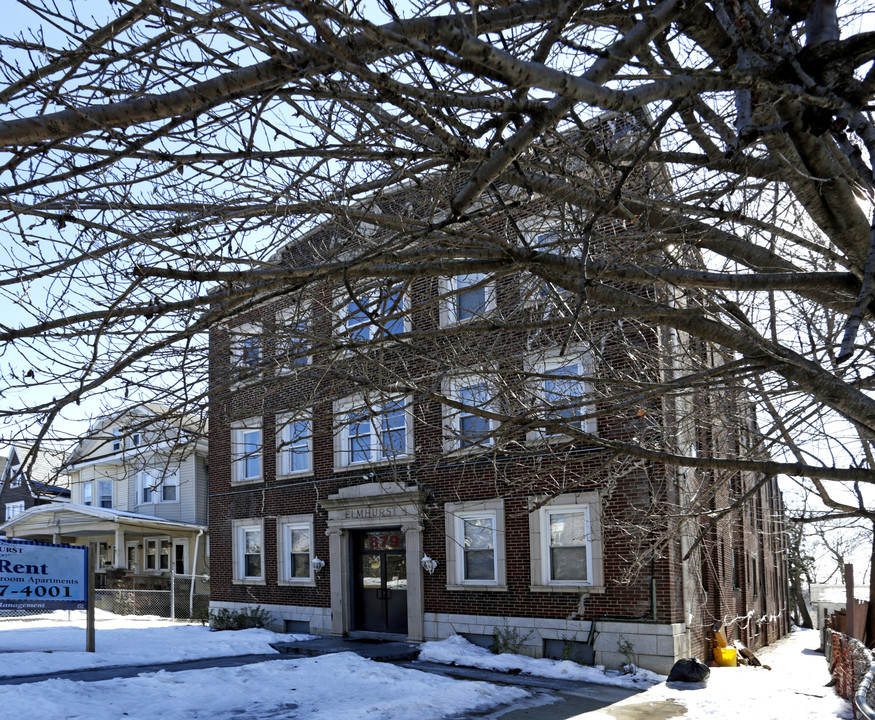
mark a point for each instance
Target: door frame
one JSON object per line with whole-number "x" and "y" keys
{"x": 373, "y": 506}
{"x": 356, "y": 554}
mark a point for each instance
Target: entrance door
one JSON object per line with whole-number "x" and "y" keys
{"x": 380, "y": 575}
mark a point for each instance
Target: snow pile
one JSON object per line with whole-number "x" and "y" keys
{"x": 53, "y": 643}
{"x": 455, "y": 650}
{"x": 343, "y": 686}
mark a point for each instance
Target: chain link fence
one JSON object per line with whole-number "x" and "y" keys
{"x": 850, "y": 664}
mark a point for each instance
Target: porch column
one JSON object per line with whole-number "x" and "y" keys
{"x": 415, "y": 595}
{"x": 338, "y": 558}
{"x": 120, "y": 555}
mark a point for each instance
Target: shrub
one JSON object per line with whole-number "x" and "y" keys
{"x": 508, "y": 639}
{"x": 242, "y": 619}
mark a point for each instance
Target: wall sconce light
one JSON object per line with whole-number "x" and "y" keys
{"x": 428, "y": 564}
{"x": 317, "y": 564}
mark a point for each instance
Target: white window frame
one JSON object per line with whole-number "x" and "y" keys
{"x": 285, "y": 444}
{"x": 371, "y": 299}
{"x": 240, "y": 336}
{"x": 240, "y": 528}
{"x": 373, "y": 420}
{"x": 455, "y": 515}
{"x": 285, "y": 524}
{"x": 239, "y": 456}
{"x": 540, "y": 541}
{"x": 186, "y": 564}
{"x": 299, "y": 313}
{"x": 159, "y": 541}
{"x": 117, "y": 440}
{"x": 450, "y": 289}
{"x": 157, "y": 484}
{"x": 102, "y": 483}
{"x": 544, "y": 364}
{"x": 453, "y": 388}
{"x": 14, "y": 508}
{"x": 88, "y": 493}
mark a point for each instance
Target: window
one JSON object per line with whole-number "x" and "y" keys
{"x": 246, "y": 451}
{"x": 135, "y": 439}
{"x": 466, "y": 297}
{"x": 87, "y": 493}
{"x": 467, "y": 426}
{"x": 560, "y": 395}
{"x": 565, "y": 541}
{"x": 246, "y": 350}
{"x": 291, "y": 337}
{"x": 104, "y": 493}
{"x": 14, "y": 508}
{"x": 374, "y": 313}
{"x": 294, "y": 445}
{"x": 180, "y": 557}
{"x": 475, "y": 544}
{"x": 116, "y": 440}
{"x": 375, "y": 431}
{"x": 16, "y": 480}
{"x": 248, "y": 557}
{"x": 295, "y": 551}
{"x": 156, "y": 488}
{"x": 157, "y": 554}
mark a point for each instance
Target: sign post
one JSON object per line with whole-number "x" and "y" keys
{"x": 91, "y": 566}
{"x": 40, "y": 576}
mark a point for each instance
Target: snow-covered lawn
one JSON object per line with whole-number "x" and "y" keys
{"x": 347, "y": 687}
{"x": 456, "y": 650}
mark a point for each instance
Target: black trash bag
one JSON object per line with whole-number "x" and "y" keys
{"x": 689, "y": 670}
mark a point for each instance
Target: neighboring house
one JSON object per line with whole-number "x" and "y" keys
{"x": 27, "y": 481}
{"x": 139, "y": 490}
{"x": 362, "y": 486}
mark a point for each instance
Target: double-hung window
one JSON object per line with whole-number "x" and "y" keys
{"x": 14, "y": 508}
{"x": 157, "y": 554}
{"x": 466, "y": 297}
{"x": 246, "y": 451}
{"x": 294, "y": 444}
{"x": 104, "y": 493}
{"x": 295, "y": 549}
{"x": 158, "y": 486}
{"x": 372, "y": 430}
{"x": 565, "y": 539}
{"x": 475, "y": 544}
{"x": 467, "y": 421}
{"x": 247, "y": 353}
{"x": 292, "y": 336}
{"x": 561, "y": 395}
{"x": 248, "y": 560}
{"x": 374, "y": 312}
{"x": 88, "y": 493}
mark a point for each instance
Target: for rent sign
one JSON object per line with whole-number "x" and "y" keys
{"x": 38, "y": 576}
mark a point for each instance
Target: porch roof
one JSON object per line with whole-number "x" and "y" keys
{"x": 70, "y": 519}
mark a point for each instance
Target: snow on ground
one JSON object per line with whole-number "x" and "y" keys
{"x": 792, "y": 690}
{"x": 456, "y": 650}
{"x": 332, "y": 687}
{"x": 54, "y": 643}
{"x": 342, "y": 686}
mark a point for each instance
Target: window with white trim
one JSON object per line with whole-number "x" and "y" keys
{"x": 14, "y": 508}
{"x": 295, "y": 549}
{"x": 246, "y": 451}
{"x": 465, "y": 423}
{"x": 116, "y": 440}
{"x": 247, "y": 353}
{"x": 157, "y": 486}
{"x": 104, "y": 493}
{"x": 561, "y": 395}
{"x": 294, "y": 444}
{"x": 373, "y": 312}
{"x": 466, "y": 297}
{"x": 88, "y": 493}
{"x": 292, "y": 336}
{"x": 475, "y": 544}
{"x": 157, "y": 550}
{"x": 248, "y": 551}
{"x": 565, "y": 539}
{"x": 372, "y": 430}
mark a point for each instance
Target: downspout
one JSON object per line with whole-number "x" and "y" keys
{"x": 197, "y": 542}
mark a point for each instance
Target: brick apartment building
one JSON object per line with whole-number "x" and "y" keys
{"x": 413, "y": 457}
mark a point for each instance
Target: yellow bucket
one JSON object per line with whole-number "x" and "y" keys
{"x": 726, "y": 657}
